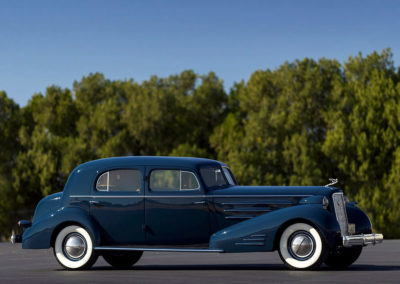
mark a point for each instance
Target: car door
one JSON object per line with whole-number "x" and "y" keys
{"x": 176, "y": 209}
{"x": 117, "y": 206}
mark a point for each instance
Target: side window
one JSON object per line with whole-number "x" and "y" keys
{"x": 119, "y": 180}
{"x": 165, "y": 180}
{"x": 173, "y": 180}
{"x": 189, "y": 181}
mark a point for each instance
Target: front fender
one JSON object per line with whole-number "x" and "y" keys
{"x": 358, "y": 217}
{"x": 260, "y": 233}
{"x": 39, "y": 236}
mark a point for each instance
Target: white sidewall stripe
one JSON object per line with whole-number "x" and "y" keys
{"x": 285, "y": 251}
{"x": 59, "y": 247}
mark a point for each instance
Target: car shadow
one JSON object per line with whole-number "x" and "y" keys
{"x": 266, "y": 267}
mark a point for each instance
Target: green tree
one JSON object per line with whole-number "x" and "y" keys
{"x": 363, "y": 139}
{"x": 48, "y": 122}
{"x": 164, "y": 115}
{"x": 275, "y": 133}
{"x": 9, "y": 145}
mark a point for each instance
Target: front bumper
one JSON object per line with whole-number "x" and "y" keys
{"x": 362, "y": 240}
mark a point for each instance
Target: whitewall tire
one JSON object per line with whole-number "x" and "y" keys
{"x": 73, "y": 248}
{"x": 301, "y": 247}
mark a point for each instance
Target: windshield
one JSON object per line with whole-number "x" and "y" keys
{"x": 213, "y": 177}
{"x": 229, "y": 176}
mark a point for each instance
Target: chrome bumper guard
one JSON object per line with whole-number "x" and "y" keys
{"x": 362, "y": 240}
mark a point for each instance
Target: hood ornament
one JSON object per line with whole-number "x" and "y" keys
{"x": 332, "y": 182}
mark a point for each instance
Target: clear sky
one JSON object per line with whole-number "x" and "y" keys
{"x": 56, "y": 42}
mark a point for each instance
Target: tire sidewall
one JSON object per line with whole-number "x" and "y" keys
{"x": 317, "y": 256}
{"x": 59, "y": 252}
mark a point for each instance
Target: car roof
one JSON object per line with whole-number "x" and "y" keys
{"x": 149, "y": 160}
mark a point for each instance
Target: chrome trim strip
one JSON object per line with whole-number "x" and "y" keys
{"x": 256, "y": 195}
{"x": 258, "y": 235}
{"x": 247, "y": 210}
{"x": 250, "y": 244}
{"x": 187, "y": 196}
{"x": 239, "y": 217}
{"x": 158, "y": 249}
{"x": 106, "y": 196}
{"x": 258, "y": 203}
{"x": 253, "y": 239}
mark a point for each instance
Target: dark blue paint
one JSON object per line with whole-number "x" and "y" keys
{"x": 216, "y": 218}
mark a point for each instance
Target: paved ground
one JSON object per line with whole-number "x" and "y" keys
{"x": 379, "y": 264}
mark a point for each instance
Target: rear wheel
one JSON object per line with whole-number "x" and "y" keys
{"x": 301, "y": 247}
{"x": 343, "y": 257}
{"x": 122, "y": 259}
{"x": 73, "y": 248}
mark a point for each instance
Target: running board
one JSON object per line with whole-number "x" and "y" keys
{"x": 158, "y": 249}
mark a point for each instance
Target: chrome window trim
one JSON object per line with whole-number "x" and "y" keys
{"x": 108, "y": 183}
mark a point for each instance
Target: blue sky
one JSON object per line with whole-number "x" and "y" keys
{"x": 56, "y": 42}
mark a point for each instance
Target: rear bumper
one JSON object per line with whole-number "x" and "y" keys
{"x": 362, "y": 240}
{"x": 24, "y": 224}
{"x": 16, "y": 238}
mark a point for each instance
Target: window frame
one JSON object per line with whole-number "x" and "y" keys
{"x": 198, "y": 188}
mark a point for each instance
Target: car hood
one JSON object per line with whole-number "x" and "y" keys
{"x": 275, "y": 190}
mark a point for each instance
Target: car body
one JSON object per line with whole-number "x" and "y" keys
{"x": 119, "y": 207}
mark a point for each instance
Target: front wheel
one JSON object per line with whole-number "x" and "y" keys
{"x": 73, "y": 248}
{"x": 343, "y": 257}
{"x": 122, "y": 259}
{"x": 301, "y": 247}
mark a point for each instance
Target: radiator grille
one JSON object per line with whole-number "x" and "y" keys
{"x": 340, "y": 211}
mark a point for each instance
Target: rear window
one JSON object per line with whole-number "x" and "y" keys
{"x": 119, "y": 180}
{"x": 213, "y": 177}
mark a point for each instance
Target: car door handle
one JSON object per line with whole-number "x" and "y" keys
{"x": 96, "y": 203}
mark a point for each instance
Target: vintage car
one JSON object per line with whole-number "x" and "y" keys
{"x": 120, "y": 207}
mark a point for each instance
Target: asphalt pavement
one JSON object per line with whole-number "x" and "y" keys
{"x": 377, "y": 264}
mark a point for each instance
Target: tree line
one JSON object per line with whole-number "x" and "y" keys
{"x": 299, "y": 124}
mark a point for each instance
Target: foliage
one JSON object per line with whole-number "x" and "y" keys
{"x": 299, "y": 124}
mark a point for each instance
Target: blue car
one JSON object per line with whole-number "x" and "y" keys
{"x": 120, "y": 207}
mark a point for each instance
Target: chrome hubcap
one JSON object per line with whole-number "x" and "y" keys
{"x": 302, "y": 245}
{"x": 74, "y": 246}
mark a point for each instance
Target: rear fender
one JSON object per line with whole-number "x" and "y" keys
{"x": 262, "y": 232}
{"x": 43, "y": 232}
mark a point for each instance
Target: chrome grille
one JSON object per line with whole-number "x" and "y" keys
{"x": 340, "y": 210}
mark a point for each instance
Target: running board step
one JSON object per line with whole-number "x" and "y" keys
{"x": 158, "y": 249}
